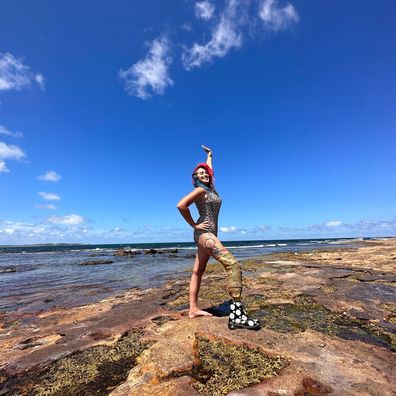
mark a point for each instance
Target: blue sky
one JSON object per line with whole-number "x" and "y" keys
{"x": 104, "y": 108}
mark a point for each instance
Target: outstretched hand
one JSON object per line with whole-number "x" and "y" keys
{"x": 206, "y": 149}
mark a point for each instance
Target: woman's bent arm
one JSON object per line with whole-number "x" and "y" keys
{"x": 187, "y": 201}
{"x": 185, "y": 212}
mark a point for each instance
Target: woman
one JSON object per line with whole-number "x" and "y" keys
{"x": 208, "y": 204}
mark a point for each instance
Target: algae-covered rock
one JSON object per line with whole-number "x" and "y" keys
{"x": 95, "y": 371}
{"x": 306, "y": 313}
{"x": 96, "y": 262}
{"x": 224, "y": 367}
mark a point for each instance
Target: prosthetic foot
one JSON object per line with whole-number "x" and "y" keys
{"x": 239, "y": 318}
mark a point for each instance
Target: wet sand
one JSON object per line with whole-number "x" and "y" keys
{"x": 329, "y": 327}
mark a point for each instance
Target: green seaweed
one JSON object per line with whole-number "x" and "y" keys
{"x": 391, "y": 307}
{"x": 306, "y": 313}
{"x": 223, "y": 367}
{"x": 94, "y": 371}
{"x": 162, "y": 319}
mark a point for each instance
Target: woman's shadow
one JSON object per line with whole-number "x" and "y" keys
{"x": 220, "y": 310}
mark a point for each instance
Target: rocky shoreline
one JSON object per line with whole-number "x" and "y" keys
{"x": 329, "y": 328}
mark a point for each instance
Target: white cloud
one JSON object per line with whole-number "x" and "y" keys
{"x": 334, "y": 223}
{"x": 72, "y": 219}
{"x": 49, "y": 206}
{"x": 9, "y": 231}
{"x": 276, "y": 18}
{"x": 238, "y": 20}
{"x": 9, "y": 151}
{"x": 233, "y": 25}
{"x": 287, "y": 229}
{"x": 337, "y": 226}
{"x": 149, "y": 75}
{"x": 39, "y": 78}
{"x": 187, "y": 27}
{"x": 252, "y": 231}
{"x": 49, "y": 196}
{"x": 260, "y": 229}
{"x": 64, "y": 229}
{"x": 7, "y": 132}
{"x": 329, "y": 226}
{"x": 116, "y": 232}
{"x": 13, "y": 228}
{"x": 50, "y": 176}
{"x": 225, "y": 37}
{"x": 3, "y": 167}
{"x": 15, "y": 75}
{"x": 204, "y": 10}
{"x": 228, "y": 229}
{"x": 376, "y": 224}
{"x": 19, "y": 232}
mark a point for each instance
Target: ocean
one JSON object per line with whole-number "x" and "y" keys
{"x": 39, "y": 277}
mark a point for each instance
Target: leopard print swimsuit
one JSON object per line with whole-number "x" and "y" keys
{"x": 208, "y": 207}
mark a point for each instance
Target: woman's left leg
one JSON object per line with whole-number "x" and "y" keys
{"x": 238, "y": 318}
{"x": 201, "y": 259}
{"x": 216, "y": 249}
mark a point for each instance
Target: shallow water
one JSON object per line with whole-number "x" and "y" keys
{"x": 41, "y": 277}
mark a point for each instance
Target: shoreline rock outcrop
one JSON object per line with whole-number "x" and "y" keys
{"x": 329, "y": 328}
{"x": 125, "y": 252}
{"x": 96, "y": 262}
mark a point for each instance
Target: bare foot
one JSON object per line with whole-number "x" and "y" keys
{"x": 198, "y": 312}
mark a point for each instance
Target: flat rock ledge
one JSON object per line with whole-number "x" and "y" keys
{"x": 314, "y": 364}
{"x": 328, "y": 328}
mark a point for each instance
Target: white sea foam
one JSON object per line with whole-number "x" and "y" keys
{"x": 245, "y": 246}
{"x": 346, "y": 241}
{"x": 194, "y": 247}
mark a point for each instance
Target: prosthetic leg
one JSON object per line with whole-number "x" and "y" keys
{"x": 234, "y": 275}
{"x": 238, "y": 318}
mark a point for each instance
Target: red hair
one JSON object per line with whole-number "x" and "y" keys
{"x": 207, "y": 168}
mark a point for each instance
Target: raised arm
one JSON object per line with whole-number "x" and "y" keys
{"x": 209, "y": 156}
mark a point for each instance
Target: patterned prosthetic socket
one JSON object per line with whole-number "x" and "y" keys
{"x": 234, "y": 275}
